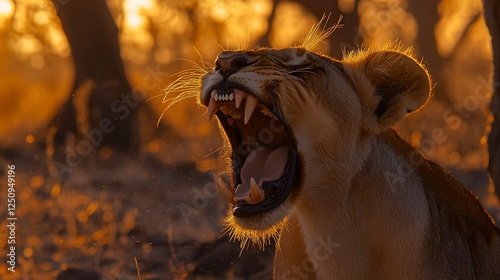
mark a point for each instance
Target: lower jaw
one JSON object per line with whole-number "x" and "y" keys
{"x": 283, "y": 186}
{"x": 270, "y": 221}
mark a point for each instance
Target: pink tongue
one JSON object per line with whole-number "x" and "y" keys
{"x": 264, "y": 165}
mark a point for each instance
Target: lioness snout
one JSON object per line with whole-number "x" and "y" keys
{"x": 230, "y": 62}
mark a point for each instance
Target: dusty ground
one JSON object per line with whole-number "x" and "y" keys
{"x": 112, "y": 212}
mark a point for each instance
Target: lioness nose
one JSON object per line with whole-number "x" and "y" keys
{"x": 230, "y": 62}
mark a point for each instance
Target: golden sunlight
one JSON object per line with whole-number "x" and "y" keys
{"x": 6, "y": 8}
{"x": 138, "y": 4}
{"x": 219, "y": 12}
{"x": 134, "y": 12}
{"x": 291, "y": 24}
{"x": 88, "y": 218}
{"x": 387, "y": 20}
{"x": 135, "y": 33}
{"x": 134, "y": 21}
{"x": 455, "y": 16}
{"x": 233, "y": 15}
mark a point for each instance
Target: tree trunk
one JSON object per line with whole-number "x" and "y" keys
{"x": 264, "y": 39}
{"x": 427, "y": 17}
{"x": 492, "y": 17}
{"x": 100, "y": 103}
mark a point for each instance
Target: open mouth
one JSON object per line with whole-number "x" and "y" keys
{"x": 264, "y": 153}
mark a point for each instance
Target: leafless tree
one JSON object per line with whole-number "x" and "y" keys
{"x": 101, "y": 90}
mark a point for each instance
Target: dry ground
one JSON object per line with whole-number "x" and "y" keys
{"x": 117, "y": 209}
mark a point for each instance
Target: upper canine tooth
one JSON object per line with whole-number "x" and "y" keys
{"x": 227, "y": 191}
{"x": 250, "y": 105}
{"x": 212, "y": 108}
{"x": 256, "y": 192}
{"x": 239, "y": 95}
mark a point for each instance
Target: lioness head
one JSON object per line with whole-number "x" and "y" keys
{"x": 297, "y": 121}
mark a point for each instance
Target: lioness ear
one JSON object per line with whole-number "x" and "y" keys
{"x": 398, "y": 85}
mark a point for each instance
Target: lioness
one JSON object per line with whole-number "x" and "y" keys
{"x": 316, "y": 164}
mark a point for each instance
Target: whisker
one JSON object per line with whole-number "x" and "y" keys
{"x": 188, "y": 81}
{"x": 187, "y": 84}
{"x": 288, "y": 99}
{"x": 291, "y": 98}
{"x": 220, "y": 150}
{"x": 307, "y": 69}
{"x": 203, "y": 62}
{"x": 155, "y": 96}
{"x": 319, "y": 32}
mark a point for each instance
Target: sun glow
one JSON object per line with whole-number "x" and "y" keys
{"x": 291, "y": 24}
{"x": 6, "y": 8}
{"x": 135, "y": 12}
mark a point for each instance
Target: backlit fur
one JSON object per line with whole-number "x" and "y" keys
{"x": 369, "y": 206}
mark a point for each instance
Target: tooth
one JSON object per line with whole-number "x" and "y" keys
{"x": 245, "y": 198}
{"x": 231, "y": 96}
{"x": 238, "y": 98}
{"x": 212, "y": 108}
{"x": 250, "y": 105}
{"x": 226, "y": 97}
{"x": 256, "y": 192}
{"x": 213, "y": 93}
{"x": 266, "y": 111}
{"x": 227, "y": 191}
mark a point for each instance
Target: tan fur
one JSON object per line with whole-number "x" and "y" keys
{"x": 369, "y": 206}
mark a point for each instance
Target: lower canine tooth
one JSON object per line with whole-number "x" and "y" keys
{"x": 256, "y": 192}
{"x": 227, "y": 191}
{"x": 245, "y": 198}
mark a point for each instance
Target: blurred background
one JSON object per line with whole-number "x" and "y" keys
{"x": 133, "y": 198}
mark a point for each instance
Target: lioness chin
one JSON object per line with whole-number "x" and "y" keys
{"x": 316, "y": 164}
